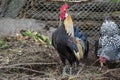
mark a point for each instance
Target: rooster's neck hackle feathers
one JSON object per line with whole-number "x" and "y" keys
{"x": 69, "y": 25}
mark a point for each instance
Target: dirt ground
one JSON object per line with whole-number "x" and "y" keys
{"x": 27, "y": 60}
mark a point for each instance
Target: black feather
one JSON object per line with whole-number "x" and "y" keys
{"x": 64, "y": 44}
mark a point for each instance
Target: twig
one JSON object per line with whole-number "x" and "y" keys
{"x": 80, "y": 70}
{"x": 100, "y": 78}
{"x": 26, "y": 76}
{"x": 101, "y": 64}
{"x": 48, "y": 79}
{"x": 110, "y": 70}
{"x": 71, "y": 0}
{"x": 41, "y": 72}
{"x": 95, "y": 62}
{"x": 14, "y": 65}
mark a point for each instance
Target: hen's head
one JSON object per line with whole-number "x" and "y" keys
{"x": 109, "y": 53}
{"x": 63, "y": 11}
{"x": 102, "y": 59}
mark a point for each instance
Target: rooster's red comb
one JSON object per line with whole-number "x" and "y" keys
{"x": 63, "y": 7}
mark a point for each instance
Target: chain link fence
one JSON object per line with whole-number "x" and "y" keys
{"x": 87, "y": 15}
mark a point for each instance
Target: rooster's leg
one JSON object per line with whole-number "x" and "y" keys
{"x": 71, "y": 70}
{"x": 76, "y": 64}
{"x": 64, "y": 71}
{"x": 64, "y": 66}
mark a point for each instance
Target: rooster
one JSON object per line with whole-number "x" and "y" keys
{"x": 67, "y": 41}
{"x": 107, "y": 48}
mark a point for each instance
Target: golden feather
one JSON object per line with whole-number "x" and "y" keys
{"x": 80, "y": 45}
{"x": 68, "y": 22}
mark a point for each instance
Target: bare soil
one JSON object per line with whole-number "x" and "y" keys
{"x": 27, "y": 60}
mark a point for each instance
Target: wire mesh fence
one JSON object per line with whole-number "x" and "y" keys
{"x": 87, "y": 15}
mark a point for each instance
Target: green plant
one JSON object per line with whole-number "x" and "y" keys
{"x": 27, "y": 33}
{"x": 37, "y": 37}
{"x": 114, "y": 0}
{"x": 3, "y": 44}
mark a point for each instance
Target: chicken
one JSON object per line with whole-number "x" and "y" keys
{"x": 107, "y": 48}
{"x": 69, "y": 47}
